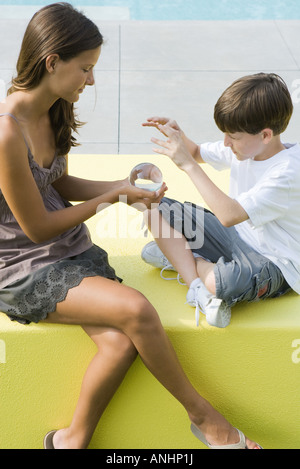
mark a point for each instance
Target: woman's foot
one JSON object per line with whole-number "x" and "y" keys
{"x": 62, "y": 439}
{"x": 218, "y": 432}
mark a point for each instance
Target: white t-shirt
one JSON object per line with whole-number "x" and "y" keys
{"x": 269, "y": 191}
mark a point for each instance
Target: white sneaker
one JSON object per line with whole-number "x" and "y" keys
{"x": 217, "y": 313}
{"x": 152, "y": 255}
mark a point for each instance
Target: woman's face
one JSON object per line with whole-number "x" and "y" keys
{"x": 69, "y": 78}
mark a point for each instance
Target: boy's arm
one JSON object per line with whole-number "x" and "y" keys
{"x": 227, "y": 210}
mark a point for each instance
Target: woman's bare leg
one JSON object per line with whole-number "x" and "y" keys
{"x": 99, "y": 302}
{"x": 104, "y": 375}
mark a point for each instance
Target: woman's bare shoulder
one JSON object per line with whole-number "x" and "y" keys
{"x": 11, "y": 138}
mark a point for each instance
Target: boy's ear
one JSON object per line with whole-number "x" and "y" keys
{"x": 267, "y": 135}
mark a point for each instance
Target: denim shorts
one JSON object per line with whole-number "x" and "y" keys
{"x": 242, "y": 274}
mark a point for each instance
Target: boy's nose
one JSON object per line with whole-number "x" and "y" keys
{"x": 227, "y": 141}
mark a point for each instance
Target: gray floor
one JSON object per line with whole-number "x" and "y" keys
{"x": 175, "y": 69}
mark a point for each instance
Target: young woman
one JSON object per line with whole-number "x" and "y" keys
{"x": 50, "y": 270}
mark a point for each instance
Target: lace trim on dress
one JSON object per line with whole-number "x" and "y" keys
{"x": 34, "y": 297}
{"x": 42, "y": 300}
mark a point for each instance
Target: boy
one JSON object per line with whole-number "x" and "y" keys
{"x": 251, "y": 240}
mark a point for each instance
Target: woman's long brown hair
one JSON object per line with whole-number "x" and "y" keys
{"x": 55, "y": 29}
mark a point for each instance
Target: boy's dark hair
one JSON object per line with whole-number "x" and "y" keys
{"x": 254, "y": 103}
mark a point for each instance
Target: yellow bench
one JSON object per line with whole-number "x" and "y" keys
{"x": 250, "y": 371}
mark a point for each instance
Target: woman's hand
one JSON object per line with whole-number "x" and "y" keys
{"x": 141, "y": 199}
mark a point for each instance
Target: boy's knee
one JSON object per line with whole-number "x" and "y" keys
{"x": 210, "y": 283}
{"x": 151, "y": 217}
{"x": 230, "y": 281}
{"x": 237, "y": 283}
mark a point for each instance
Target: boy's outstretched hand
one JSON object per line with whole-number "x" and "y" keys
{"x": 180, "y": 143}
{"x": 156, "y": 121}
{"x": 174, "y": 147}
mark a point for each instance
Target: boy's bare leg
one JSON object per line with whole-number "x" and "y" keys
{"x": 173, "y": 244}
{"x": 205, "y": 271}
{"x": 177, "y": 250}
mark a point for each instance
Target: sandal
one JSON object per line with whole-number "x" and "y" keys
{"x": 240, "y": 445}
{"x": 48, "y": 440}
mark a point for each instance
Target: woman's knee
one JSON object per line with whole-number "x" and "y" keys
{"x": 116, "y": 343}
{"x": 141, "y": 314}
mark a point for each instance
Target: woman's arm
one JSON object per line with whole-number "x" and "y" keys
{"x": 25, "y": 201}
{"x": 78, "y": 189}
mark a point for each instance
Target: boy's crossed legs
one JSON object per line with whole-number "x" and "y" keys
{"x": 211, "y": 258}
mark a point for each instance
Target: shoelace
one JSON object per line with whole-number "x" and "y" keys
{"x": 196, "y": 304}
{"x": 197, "y": 314}
{"x": 167, "y": 267}
{"x": 191, "y": 303}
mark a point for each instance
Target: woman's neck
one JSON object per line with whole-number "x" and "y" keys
{"x": 32, "y": 105}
